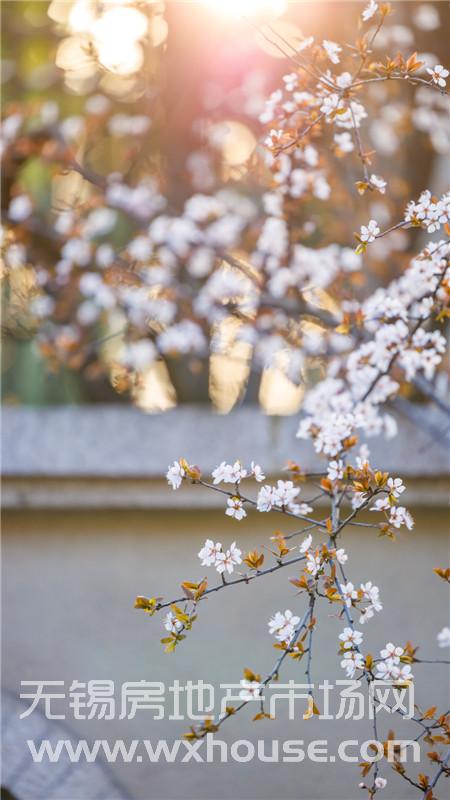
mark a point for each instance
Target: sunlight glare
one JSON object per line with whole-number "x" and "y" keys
{"x": 246, "y": 8}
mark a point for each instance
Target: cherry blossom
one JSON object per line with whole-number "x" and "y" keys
{"x": 172, "y": 624}
{"x": 280, "y": 496}
{"x": 381, "y": 504}
{"x": 332, "y": 50}
{"x": 251, "y": 690}
{"x": 306, "y": 544}
{"x": 20, "y": 208}
{"x": 229, "y": 473}
{"x": 348, "y": 592}
{"x": 378, "y": 183}
{"x": 369, "y": 232}
{"x": 352, "y": 662}
{"x": 283, "y": 626}
{"x": 257, "y": 472}
{"x": 400, "y": 516}
{"x": 439, "y": 75}
{"x": 386, "y": 671}
{"x": 313, "y": 563}
{"x": 175, "y": 475}
{"x": 235, "y": 508}
{"x": 335, "y": 470}
{"x": 350, "y": 638}
{"x": 392, "y": 653}
{"x": 443, "y": 637}
{"x": 395, "y": 486}
{"x": 228, "y": 560}
{"x": 209, "y": 552}
{"x": 369, "y": 11}
{"x": 341, "y": 556}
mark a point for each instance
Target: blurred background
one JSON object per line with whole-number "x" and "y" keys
{"x": 175, "y": 91}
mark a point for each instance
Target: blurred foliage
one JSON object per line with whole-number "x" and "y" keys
{"x": 201, "y": 57}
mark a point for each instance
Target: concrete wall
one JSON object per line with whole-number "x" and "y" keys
{"x": 70, "y": 577}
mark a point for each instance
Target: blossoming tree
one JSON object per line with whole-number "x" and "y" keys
{"x": 276, "y": 274}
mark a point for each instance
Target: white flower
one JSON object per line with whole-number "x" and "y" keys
{"x": 386, "y": 671}
{"x": 392, "y": 653}
{"x": 358, "y": 499}
{"x": 282, "y": 496}
{"x": 380, "y": 782}
{"x": 378, "y": 183}
{"x": 140, "y": 248}
{"x": 348, "y": 592}
{"x": 341, "y": 556}
{"x": 443, "y": 637}
{"x": 20, "y": 208}
{"x": 395, "y": 486}
{"x": 99, "y": 222}
{"x": 330, "y": 103}
{"x": 306, "y": 544}
{"x": 265, "y": 500}
{"x": 172, "y": 624}
{"x": 257, "y": 472}
{"x": 372, "y": 593}
{"x": 313, "y": 563}
{"x": 175, "y": 475}
{"x": 104, "y": 255}
{"x": 352, "y": 661}
{"x": 366, "y": 614}
{"x": 235, "y": 508}
{"x": 400, "y": 516}
{"x": 208, "y": 553}
{"x": 139, "y": 355}
{"x": 382, "y": 504}
{"x": 336, "y": 470}
{"x": 303, "y": 509}
{"x": 77, "y": 251}
{"x": 283, "y": 625}
{"x": 439, "y": 75}
{"x": 351, "y": 638}
{"x": 285, "y": 493}
{"x": 344, "y": 142}
{"x": 369, "y": 11}
{"x": 229, "y": 473}
{"x": 363, "y": 459}
{"x": 290, "y": 81}
{"x": 332, "y": 49}
{"x": 251, "y": 690}
{"x": 228, "y": 560}
{"x": 404, "y": 673}
{"x": 344, "y": 79}
{"x": 368, "y": 233}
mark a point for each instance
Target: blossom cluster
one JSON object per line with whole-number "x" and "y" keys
{"x": 283, "y": 626}
{"x": 212, "y": 555}
{"x": 390, "y": 668}
{"x": 368, "y": 595}
{"x": 186, "y": 279}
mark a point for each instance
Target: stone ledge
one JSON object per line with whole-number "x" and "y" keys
{"x": 120, "y": 442}
{"x": 116, "y": 457}
{"x": 141, "y": 494}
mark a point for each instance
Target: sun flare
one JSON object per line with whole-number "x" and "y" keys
{"x": 246, "y": 8}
